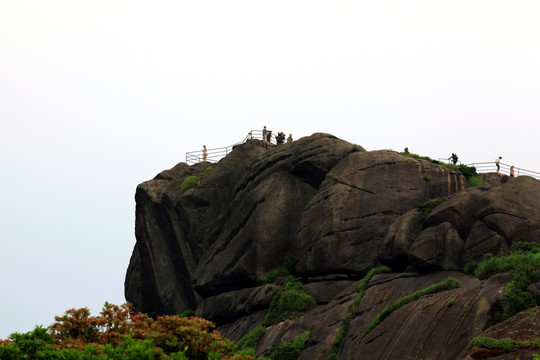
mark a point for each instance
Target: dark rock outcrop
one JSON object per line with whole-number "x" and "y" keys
{"x": 524, "y": 327}
{"x": 339, "y": 211}
{"x": 470, "y": 224}
{"x": 435, "y": 327}
{"x": 345, "y": 222}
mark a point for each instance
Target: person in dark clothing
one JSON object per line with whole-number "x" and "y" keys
{"x": 454, "y": 158}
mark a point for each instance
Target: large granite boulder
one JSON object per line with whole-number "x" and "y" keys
{"x": 344, "y": 224}
{"x": 322, "y": 199}
{"x": 470, "y": 224}
{"x": 338, "y": 211}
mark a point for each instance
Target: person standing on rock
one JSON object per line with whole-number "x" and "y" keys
{"x": 512, "y": 171}
{"x": 454, "y": 158}
{"x": 264, "y": 133}
{"x": 204, "y": 153}
{"x": 289, "y": 139}
{"x": 498, "y": 163}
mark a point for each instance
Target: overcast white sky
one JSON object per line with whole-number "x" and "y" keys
{"x": 99, "y": 96}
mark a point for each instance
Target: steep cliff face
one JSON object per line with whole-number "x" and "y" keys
{"x": 338, "y": 211}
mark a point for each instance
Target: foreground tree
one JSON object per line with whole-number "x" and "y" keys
{"x": 120, "y": 333}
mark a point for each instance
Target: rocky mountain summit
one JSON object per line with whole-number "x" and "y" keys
{"x": 326, "y": 212}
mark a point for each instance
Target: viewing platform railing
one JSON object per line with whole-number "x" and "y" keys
{"x": 216, "y": 154}
{"x": 485, "y": 167}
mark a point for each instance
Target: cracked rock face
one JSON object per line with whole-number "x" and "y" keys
{"x": 339, "y": 211}
{"x": 472, "y": 223}
{"x": 322, "y": 199}
{"x": 345, "y": 222}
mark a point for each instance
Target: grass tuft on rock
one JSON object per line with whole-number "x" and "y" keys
{"x": 360, "y": 290}
{"x": 289, "y": 303}
{"x": 288, "y": 350}
{"x": 431, "y": 204}
{"x": 447, "y": 284}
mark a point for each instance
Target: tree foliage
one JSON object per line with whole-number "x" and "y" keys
{"x": 120, "y": 333}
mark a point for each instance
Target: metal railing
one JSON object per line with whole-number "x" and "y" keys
{"x": 216, "y": 154}
{"x": 485, "y": 167}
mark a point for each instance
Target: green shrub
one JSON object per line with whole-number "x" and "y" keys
{"x": 286, "y": 269}
{"x": 475, "y": 181}
{"x": 523, "y": 262}
{"x": 273, "y": 274}
{"x": 525, "y": 246}
{"x": 524, "y": 266}
{"x": 516, "y": 299}
{"x": 506, "y": 344}
{"x": 208, "y": 169}
{"x": 447, "y": 284}
{"x": 189, "y": 182}
{"x": 467, "y": 171}
{"x": 288, "y": 262}
{"x": 426, "y": 178}
{"x": 251, "y": 339}
{"x": 289, "y": 303}
{"x": 470, "y": 267}
{"x": 361, "y": 290}
{"x": 331, "y": 176}
{"x": 289, "y": 350}
{"x": 430, "y": 205}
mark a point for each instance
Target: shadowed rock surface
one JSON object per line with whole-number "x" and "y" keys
{"x": 339, "y": 211}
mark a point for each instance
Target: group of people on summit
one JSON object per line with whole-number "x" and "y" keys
{"x": 280, "y": 137}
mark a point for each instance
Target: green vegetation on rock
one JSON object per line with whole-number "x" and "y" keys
{"x": 289, "y": 303}
{"x": 523, "y": 262}
{"x": 289, "y": 350}
{"x": 189, "y": 182}
{"x": 486, "y": 346}
{"x": 208, "y": 169}
{"x": 447, "y": 284}
{"x": 192, "y": 181}
{"x": 285, "y": 270}
{"x": 331, "y": 176}
{"x": 469, "y": 172}
{"x": 430, "y": 205}
{"x": 251, "y": 339}
{"x": 360, "y": 290}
